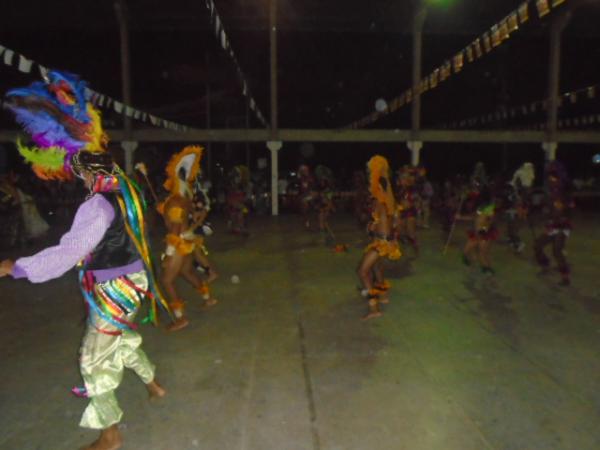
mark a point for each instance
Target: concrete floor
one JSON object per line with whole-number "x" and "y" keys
{"x": 458, "y": 361}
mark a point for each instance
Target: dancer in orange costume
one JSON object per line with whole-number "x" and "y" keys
{"x": 181, "y": 223}
{"x": 383, "y": 244}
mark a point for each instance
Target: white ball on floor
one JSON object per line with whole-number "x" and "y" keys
{"x": 235, "y": 279}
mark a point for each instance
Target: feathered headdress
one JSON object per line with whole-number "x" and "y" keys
{"x": 60, "y": 121}
{"x": 379, "y": 182}
{"x": 182, "y": 169}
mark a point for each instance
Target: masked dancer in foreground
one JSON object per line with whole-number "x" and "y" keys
{"x": 106, "y": 242}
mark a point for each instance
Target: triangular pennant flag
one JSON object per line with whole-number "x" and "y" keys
{"x": 8, "y": 57}
{"x": 223, "y": 40}
{"x": 469, "y": 52}
{"x": 109, "y": 102}
{"x": 24, "y": 64}
{"x": 513, "y": 22}
{"x": 118, "y": 107}
{"x": 542, "y": 7}
{"x": 144, "y": 116}
{"x": 2, "y": 48}
{"x": 495, "y": 36}
{"x": 477, "y": 47}
{"x": 503, "y": 29}
{"x": 487, "y": 44}
{"x": 524, "y": 12}
{"x": 458, "y": 61}
{"x": 136, "y": 114}
{"x": 153, "y": 119}
{"x": 101, "y": 100}
{"x": 128, "y": 111}
{"x": 88, "y": 93}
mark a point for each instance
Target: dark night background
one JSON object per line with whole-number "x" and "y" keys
{"x": 335, "y": 59}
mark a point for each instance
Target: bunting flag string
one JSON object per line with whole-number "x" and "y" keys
{"x": 225, "y": 44}
{"x": 591, "y": 120}
{"x": 478, "y": 48}
{"x": 26, "y": 65}
{"x": 524, "y": 110}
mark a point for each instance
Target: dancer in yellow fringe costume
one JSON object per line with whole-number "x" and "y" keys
{"x": 181, "y": 238}
{"x": 383, "y": 244}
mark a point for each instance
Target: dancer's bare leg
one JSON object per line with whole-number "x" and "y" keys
{"x": 203, "y": 260}
{"x": 379, "y": 280}
{"x": 189, "y": 274}
{"x": 468, "y": 250}
{"x": 171, "y": 269}
{"x": 364, "y": 273}
{"x": 484, "y": 253}
{"x": 110, "y": 439}
{"x": 411, "y": 229}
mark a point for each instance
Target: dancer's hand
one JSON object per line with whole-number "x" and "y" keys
{"x": 6, "y": 267}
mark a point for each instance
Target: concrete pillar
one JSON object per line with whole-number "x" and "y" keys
{"x": 417, "y": 36}
{"x": 129, "y": 150}
{"x": 415, "y": 152}
{"x": 274, "y": 147}
{"x": 550, "y": 149}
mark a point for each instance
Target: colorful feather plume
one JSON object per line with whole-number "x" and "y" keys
{"x": 59, "y": 121}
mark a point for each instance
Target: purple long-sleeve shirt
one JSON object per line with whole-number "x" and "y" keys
{"x": 92, "y": 219}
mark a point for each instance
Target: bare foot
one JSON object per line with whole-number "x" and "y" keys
{"x": 178, "y": 324}
{"x": 155, "y": 390}
{"x": 212, "y": 276}
{"x": 384, "y": 300}
{"x": 372, "y": 315}
{"x": 110, "y": 439}
{"x": 209, "y": 303}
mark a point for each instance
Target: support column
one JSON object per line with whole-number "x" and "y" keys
{"x": 208, "y": 160}
{"x": 550, "y": 150}
{"x": 556, "y": 29}
{"x": 122, "y": 18}
{"x": 129, "y": 151}
{"x": 274, "y": 147}
{"x": 415, "y": 152}
{"x": 417, "y": 31}
{"x": 415, "y": 144}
